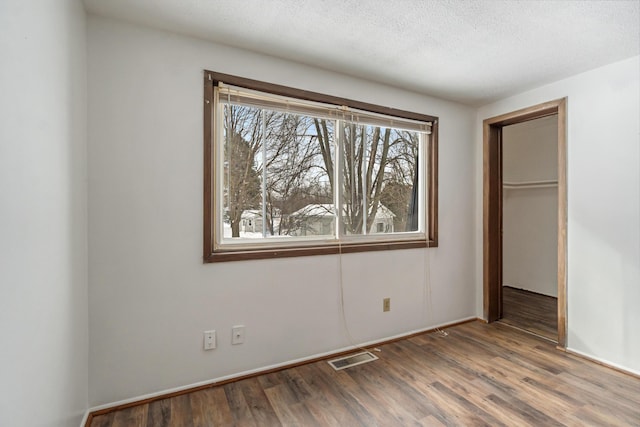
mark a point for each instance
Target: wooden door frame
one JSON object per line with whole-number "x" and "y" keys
{"x": 492, "y": 213}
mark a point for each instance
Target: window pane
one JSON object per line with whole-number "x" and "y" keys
{"x": 278, "y": 174}
{"x": 299, "y": 191}
{"x": 242, "y": 194}
{"x": 379, "y": 168}
{"x": 400, "y": 183}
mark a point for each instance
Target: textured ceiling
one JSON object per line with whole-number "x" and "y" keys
{"x": 468, "y": 51}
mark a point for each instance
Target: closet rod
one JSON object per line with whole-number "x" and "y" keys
{"x": 529, "y": 184}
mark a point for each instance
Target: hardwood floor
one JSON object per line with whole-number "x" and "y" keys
{"x": 530, "y": 311}
{"x": 479, "y": 375}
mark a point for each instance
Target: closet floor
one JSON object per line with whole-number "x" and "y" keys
{"x": 530, "y": 311}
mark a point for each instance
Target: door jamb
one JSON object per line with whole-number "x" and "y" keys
{"x": 492, "y": 208}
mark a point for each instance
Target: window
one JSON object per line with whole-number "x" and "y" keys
{"x": 292, "y": 173}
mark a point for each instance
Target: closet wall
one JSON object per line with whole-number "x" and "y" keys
{"x": 530, "y": 213}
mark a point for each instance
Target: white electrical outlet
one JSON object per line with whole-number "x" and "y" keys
{"x": 237, "y": 334}
{"x": 209, "y": 340}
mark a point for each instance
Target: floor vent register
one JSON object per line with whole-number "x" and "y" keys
{"x": 352, "y": 360}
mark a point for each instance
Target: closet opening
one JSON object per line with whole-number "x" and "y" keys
{"x": 524, "y": 193}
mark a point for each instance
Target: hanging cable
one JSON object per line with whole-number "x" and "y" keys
{"x": 427, "y": 286}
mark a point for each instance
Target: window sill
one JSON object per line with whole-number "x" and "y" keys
{"x": 253, "y": 254}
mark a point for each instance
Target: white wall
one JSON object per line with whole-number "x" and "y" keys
{"x": 150, "y": 294}
{"x": 530, "y": 215}
{"x": 43, "y": 213}
{"x": 603, "y": 207}
{"x": 530, "y": 150}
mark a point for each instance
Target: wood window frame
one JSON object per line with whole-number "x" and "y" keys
{"x": 211, "y": 255}
{"x": 492, "y": 208}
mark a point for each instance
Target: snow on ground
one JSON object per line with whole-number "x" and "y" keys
{"x": 243, "y": 234}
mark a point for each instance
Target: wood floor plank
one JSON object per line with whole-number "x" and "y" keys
{"x": 463, "y": 363}
{"x": 303, "y": 416}
{"x": 136, "y": 416}
{"x": 209, "y": 407}
{"x": 105, "y": 420}
{"x": 474, "y": 414}
{"x": 238, "y": 405}
{"x": 417, "y": 378}
{"x": 521, "y": 388}
{"x": 344, "y": 407}
{"x": 270, "y": 380}
{"x": 600, "y": 399}
{"x": 478, "y": 375}
{"x": 358, "y": 401}
{"x": 159, "y": 413}
{"x": 476, "y": 392}
{"x": 390, "y": 397}
{"x": 325, "y": 415}
{"x": 431, "y": 421}
{"x": 181, "y": 411}
{"x": 530, "y": 311}
{"x": 282, "y": 401}
{"x": 219, "y": 408}
{"x": 523, "y": 410}
{"x": 258, "y": 404}
{"x": 597, "y": 416}
{"x": 321, "y": 415}
{"x": 296, "y": 383}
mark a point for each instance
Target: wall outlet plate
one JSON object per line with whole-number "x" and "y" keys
{"x": 386, "y": 304}
{"x": 209, "y": 340}
{"x": 237, "y": 334}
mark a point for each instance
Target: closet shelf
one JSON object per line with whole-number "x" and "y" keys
{"x": 529, "y": 184}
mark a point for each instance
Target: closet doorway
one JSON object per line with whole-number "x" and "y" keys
{"x": 529, "y": 226}
{"x": 525, "y": 219}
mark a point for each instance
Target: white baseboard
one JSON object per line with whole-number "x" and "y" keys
{"x": 604, "y": 362}
{"x": 267, "y": 368}
{"x": 85, "y": 418}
